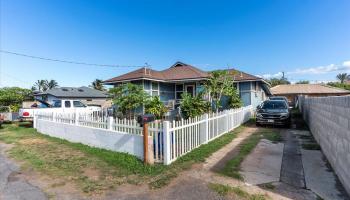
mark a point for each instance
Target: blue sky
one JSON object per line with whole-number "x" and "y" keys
{"x": 307, "y": 39}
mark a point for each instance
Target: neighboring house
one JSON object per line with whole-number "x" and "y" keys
{"x": 87, "y": 95}
{"x": 169, "y": 84}
{"x": 312, "y": 90}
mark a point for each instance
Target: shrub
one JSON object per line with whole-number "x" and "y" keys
{"x": 156, "y": 107}
{"x": 128, "y": 97}
{"x": 193, "y": 106}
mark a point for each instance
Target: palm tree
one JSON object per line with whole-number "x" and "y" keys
{"x": 40, "y": 85}
{"x": 97, "y": 85}
{"x": 342, "y": 77}
{"x": 51, "y": 84}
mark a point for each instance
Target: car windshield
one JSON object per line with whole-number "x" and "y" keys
{"x": 78, "y": 104}
{"x": 274, "y": 105}
{"x": 57, "y": 104}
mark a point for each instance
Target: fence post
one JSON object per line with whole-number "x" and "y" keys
{"x": 76, "y": 118}
{"x": 35, "y": 117}
{"x": 227, "y": 116}
{"x": 204, "y": 134}
{"x": 166, "y": 142}
{"x": 110, "y": 123}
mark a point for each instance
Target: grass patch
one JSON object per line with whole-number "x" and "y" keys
{"x": 94, "y": 170}
{"x": 235, "y": 192}
{"x": 232, "y": 167}
{"x": 311, "y": 146}
{"x": 195, "y": 156}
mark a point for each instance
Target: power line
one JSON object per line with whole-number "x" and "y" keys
{"x": 66, "y": 61}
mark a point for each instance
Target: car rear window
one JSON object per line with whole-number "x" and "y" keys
{"x": 274, "y": 105}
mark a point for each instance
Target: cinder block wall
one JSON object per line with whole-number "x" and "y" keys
{"x": 329, "y": 121}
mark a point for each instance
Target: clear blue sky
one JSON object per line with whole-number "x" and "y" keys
{"x": 259, "y": 37}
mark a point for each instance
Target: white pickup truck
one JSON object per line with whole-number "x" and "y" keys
{"x": 62, "y": 106}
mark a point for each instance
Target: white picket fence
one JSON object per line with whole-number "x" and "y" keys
{"x": 183, "y": 136}
{"x": 170, "y": 139}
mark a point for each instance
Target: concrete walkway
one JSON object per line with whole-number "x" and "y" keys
{"x": 292, "y": 172}
{"x": 13, "y": 187}
{"x": 263, "y": 165}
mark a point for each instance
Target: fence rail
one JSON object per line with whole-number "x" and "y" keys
{"x": 170, "y": 139}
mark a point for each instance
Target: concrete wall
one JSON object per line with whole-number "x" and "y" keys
{"x": 106, "y": 139}
{"x": 329, "y": 121}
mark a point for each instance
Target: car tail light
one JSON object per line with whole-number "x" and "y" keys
{"x": 25, "y": 114}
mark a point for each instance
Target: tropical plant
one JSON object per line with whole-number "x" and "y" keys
{"x": 220, "y": 83}
{"x": 128, "y": 97}
{"x": 40, "y": 85}
{"x": 51, "y": 84}
{"x": 234, "y": 100}
{"x": 97, "y": 84}
{"x": 156, "y": 107}
{"x": 342, "y": 77}
{"x": 303, "y": 82}
{"x": 43, "y": 85}
{"x": 192, "y": 106}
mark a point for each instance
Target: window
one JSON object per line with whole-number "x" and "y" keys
{"x": 78, "y": 104}
{"x": 67, "y": 104}
{"x": 155, "y": 89}
{"x": 57, "y": 104}
{"x": 179, "y": 90}
{"x": 254, "y": 86}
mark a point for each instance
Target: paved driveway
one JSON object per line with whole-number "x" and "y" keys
{"x": 12, "y": 186}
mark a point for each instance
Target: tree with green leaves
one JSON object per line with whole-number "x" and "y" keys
{"x": 220, "y": 84}
{"x": 14, "y": 96}
{"x": 97, "y": 84}
{"x": 234, "y": 100}
{"x": 278, "y": 81}
{"x": 339, "y": 85}
{"x": 342, "y": 77}
{"x": 303, "y": 82}
{"x": 128, "y": 97}
{"x": 51, "y": 84}
{"x": 156, "y": 107}
{"x": 192, "y": 106}
{"x": 44, "y": 85}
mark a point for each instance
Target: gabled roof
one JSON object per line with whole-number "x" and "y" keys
{"x": 70, "y": 92}
{"x": 307, "y": 89}
{"x": 177, "y": 72}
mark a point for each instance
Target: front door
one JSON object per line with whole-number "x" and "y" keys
{"x": 190, "y": 89}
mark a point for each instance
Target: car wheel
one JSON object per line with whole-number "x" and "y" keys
{"x": 257, "y": 124}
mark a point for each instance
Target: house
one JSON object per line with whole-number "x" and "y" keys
{"x": 171, "y": 83}
{"x": 311, "y": 90}
{"x": 87, "y": 95}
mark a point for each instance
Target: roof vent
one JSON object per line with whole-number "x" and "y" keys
{"x": 80, "y": 90}
{"x": 65, "y": 89}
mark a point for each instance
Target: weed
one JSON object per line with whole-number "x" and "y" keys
{"x": 232, "y": 167}
{"x": 269, "y": 186}
{"x": 239, "y": 193}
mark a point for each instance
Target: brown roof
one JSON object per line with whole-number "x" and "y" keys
{"x": 307, "y": 89}
{"x": 179, "y": 71}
